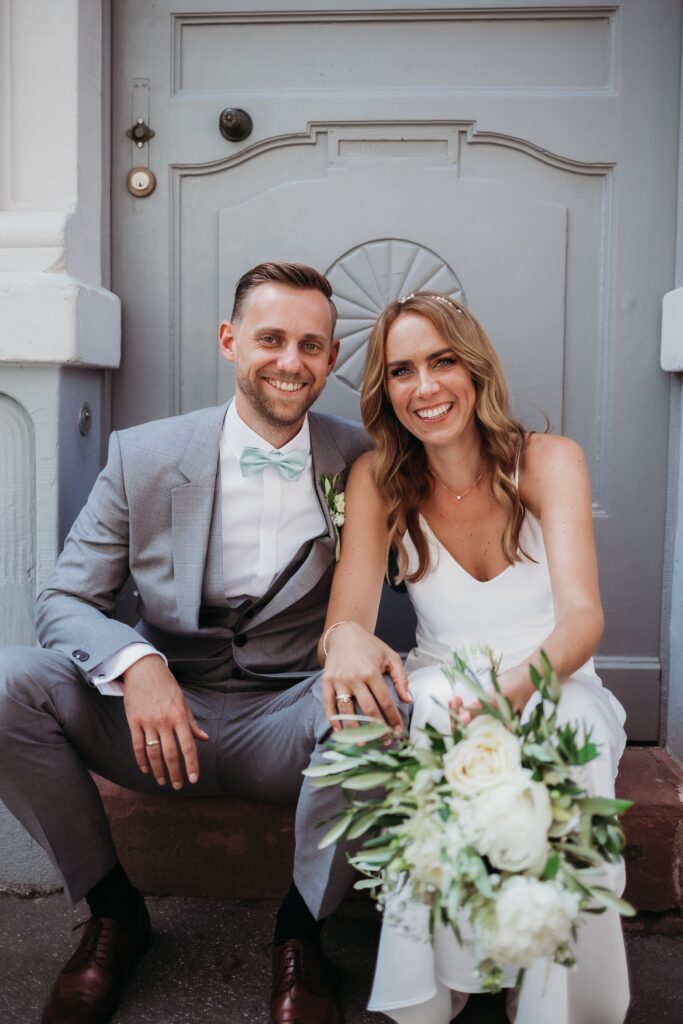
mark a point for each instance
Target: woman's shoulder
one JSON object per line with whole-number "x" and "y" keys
{"x": 547, "y": 452}
{"x": 548, "y": 462}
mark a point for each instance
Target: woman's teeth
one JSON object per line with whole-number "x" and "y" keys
{"x": 432, "y": 414}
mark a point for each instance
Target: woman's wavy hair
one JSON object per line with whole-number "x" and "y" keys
{"x": 399, "y": 463}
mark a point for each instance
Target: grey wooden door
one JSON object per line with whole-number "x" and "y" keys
{"x": 523, "y": 157}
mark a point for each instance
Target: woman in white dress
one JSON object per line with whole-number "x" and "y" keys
{"x": 490, "y": 527}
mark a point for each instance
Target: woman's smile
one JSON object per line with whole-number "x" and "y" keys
{"x": 434, "y": 412}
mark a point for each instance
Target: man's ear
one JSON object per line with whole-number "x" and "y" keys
{"x": 334, "y": 352}
{"x": 226, "y": 340}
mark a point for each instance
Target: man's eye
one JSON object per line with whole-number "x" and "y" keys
{"x": 268, "y": 339}
{"x": 312, "y": 346}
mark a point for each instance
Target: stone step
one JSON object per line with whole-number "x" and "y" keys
{"x": 654, "y": 829}
{"x": 228, "y": 848}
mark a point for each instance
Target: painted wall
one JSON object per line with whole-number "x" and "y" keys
{"x": 59, "y": 327}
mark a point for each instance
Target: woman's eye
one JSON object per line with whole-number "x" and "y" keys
{"x": 446, "y": 361}
{"x": 399, "y": 371}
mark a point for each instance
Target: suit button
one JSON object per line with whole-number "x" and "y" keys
{"x": 80, "y": 655}
{"x": 239, "y": 640}
{"x": 250, "y": 613}
{"x": 237, "y": 673}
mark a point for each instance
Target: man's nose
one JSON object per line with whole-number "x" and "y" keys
{"x": 289, "y": 359}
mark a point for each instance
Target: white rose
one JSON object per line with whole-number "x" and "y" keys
{"x": 488, "y": 755}
{"x": 514, "y": 818}
{"x": 532, "y": 919}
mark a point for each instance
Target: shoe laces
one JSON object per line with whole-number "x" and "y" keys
{"x": 297, "y": 966}
{"x": 95, "y": 942}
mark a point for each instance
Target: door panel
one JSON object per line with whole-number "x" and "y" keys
{"x": 522, "y": 158}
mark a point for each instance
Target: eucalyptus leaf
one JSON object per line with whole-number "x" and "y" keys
{"x": 318, "y": 771}
{"x": 610, "y": 900}
{"x": 368, "y": 883}
{"x": 367, "y": 780}
{"x": 361, "y": 734}
{"x": 364, "y": 822}
{"x": 336, "y": 832}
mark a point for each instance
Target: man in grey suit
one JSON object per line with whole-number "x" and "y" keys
{"x": 220, "y": 518}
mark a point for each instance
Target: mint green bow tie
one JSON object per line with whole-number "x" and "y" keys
{"x": 290, "y": 465}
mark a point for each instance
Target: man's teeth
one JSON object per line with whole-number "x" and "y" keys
{"x": 285, "y": 385}
{"x": 431, "y": 414}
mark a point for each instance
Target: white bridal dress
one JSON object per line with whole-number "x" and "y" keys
{"x": 417, "y": 982}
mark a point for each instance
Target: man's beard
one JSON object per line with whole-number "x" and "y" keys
{"x": 277, "y": 413}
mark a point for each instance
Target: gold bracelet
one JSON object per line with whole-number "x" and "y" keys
{"x": 327, "y": 632}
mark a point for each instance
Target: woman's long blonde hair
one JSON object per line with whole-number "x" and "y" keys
{"x": 399, "y": 464}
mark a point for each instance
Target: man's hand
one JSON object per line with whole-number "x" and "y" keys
{"x": 355, "y": 668}
{"x": 161, "y": 722}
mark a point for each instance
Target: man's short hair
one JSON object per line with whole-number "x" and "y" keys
{"x": 293, "y": 275}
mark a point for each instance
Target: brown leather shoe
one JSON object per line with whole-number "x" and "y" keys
{"x": 88, "y": 989}
{"x": 301, "y": 991}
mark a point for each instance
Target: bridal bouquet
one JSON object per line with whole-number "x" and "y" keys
{"x": 488, "y": 825}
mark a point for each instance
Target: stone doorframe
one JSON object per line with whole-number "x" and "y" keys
{"x": 59, "y": 325}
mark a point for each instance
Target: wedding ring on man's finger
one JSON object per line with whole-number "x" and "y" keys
{"x": 152, "y": 743}
{"x": 343, "y": 698}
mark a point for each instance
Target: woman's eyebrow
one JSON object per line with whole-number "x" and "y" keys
{"x": 433, "y": 355}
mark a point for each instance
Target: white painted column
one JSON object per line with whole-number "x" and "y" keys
{"x": 59, "y": 325}
{"x": 672, "y": 360}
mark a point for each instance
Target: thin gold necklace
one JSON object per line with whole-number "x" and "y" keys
{"x": 458, "y": 497}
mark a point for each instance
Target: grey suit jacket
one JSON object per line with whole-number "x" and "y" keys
{"x": 149, "y": 515}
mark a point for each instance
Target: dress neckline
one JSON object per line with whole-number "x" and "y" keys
{"x": 454, "y": 560}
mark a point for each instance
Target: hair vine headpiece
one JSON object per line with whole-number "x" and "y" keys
{"x": 439, "y": 298}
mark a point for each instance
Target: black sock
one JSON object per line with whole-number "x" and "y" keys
{"x": 114, "y": 896}
{"x": 295, "y": 921}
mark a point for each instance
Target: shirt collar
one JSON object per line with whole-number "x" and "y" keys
{"x": 239, "y": 435}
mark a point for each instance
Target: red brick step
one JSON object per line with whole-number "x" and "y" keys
{"x": 229, "y": 848}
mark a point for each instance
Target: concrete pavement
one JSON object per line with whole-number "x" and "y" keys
{"x": 210, "y": 964}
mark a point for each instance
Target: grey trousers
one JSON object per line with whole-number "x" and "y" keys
{"x": 54, "y": 727}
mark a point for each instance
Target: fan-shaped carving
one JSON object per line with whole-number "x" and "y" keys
{"x": 366, "y": 278}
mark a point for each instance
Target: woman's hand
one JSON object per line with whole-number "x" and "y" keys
{"x": 353, "y": 677}
{"x": 515, "y": 684}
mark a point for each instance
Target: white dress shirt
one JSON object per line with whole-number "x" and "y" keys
{"x": 265, "y": 519}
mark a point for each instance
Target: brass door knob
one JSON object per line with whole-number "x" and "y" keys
{"x": 235, "y": 124}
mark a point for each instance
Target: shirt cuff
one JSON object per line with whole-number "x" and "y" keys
{"x": 106, "y": 675}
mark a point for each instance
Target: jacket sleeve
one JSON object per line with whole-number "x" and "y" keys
{"x": 73, "y": 613}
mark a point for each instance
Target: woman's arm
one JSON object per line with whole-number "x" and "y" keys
{"x": 555, "y": 487}
{"x": 356, "y": 660}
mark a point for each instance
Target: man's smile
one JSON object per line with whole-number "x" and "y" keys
{"x": 285, "y": 385}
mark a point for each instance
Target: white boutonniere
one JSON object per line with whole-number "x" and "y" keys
{"x": 336, "y": 504}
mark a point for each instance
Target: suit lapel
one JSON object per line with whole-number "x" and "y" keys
{"x": 300, "y": 577}
{"x": 192, "y": 509}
